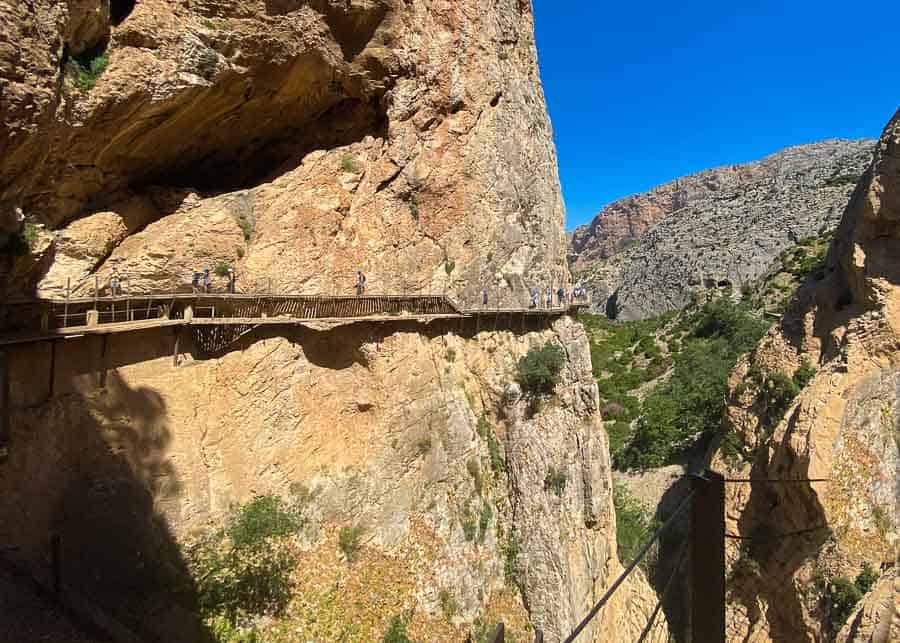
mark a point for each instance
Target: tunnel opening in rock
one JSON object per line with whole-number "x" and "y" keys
{"x": 119, "y": 10}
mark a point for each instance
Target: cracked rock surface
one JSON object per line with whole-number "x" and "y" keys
{"x": 646, "y": 254}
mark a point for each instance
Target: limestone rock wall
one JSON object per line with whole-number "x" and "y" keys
{"x": 306, "y": 140}
{"x": 132, "y": 455}
{"x": 646, "y": 254}
{"x": 842, "y": 429}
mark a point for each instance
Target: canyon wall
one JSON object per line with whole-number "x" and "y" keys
{"x": 647, "y": 254}
{"x": 296, "y": 141}
{"x": 805, "y": 543}
{"x": 382, "y": 428}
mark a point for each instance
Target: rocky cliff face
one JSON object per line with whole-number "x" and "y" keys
{"x": 298, "y": 140}
{"x": 807, "y": 543}
{"x": 383, "y": 429}
{"x": 646, "y": 254}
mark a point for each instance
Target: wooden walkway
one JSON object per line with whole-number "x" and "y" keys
{"x": 35, "y": 320}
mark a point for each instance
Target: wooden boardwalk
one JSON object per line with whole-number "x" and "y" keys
{"x": 35, "y": 320}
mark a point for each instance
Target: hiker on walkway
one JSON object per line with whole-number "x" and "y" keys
{"x": 114, "y": 287}
{"x": 484, "y": 298}
{"x": 548, "y": 297}
{"x": 232, "y": 277}
{"x": 360, "y": 283}
{"x": 535, "y": 296}
{"x": 561, "y": 296}
{"x": 195, "y": 280}
{"x": 206, "y": 279}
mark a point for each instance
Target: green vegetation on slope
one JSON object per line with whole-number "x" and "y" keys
{"x": 663, "y": 381}
{"x": 696, "y": 350}
{"x": 634, "y": 525}
{"x": 243, "y": 570}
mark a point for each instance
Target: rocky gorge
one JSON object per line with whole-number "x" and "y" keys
{"x": 723, "y": 228}
{"x": 296, "y": 142}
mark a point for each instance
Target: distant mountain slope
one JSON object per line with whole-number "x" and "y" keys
{"x": 646, "y": 254}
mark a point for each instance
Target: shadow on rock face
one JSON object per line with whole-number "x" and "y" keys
{"x": 85, "y": 470}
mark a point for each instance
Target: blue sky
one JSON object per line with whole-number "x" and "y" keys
{"x": 643, "y": 92}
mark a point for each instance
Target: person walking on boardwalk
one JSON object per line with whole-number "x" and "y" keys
{"x": 195, "y": 280}
{"x": 360, "y": 283}
{"x": 535, "y": 296}
{"x": 484, "y": 297}
{"x": 232, "y": 277}
{"x": 561, "y": 296}
{"x": 114, "y": 287}
{"x": 548, "y": 297}
{"x": 206, "y": 279}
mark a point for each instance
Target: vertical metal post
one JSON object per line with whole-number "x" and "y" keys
{"x": 175, "y": 349}
{"x": 66, "y": 307}
{"x": 56, "y": 562}
{"x": 4, "y": 406}
{"x": 50, "y": 385}
{"x": 96, "y": 291}
{"x": 103, "y": 340}
{"x": 707, "y": 622}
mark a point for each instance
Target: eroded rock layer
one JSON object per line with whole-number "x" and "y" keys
{"x": 647, "y": 254}
{"x": 379, "y": 427}
{"x": 809, "y": 546}
{"x": 301, "y": 140}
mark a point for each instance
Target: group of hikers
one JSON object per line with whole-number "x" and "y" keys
{"x": 201, "y": 281}
{"x": 562, "y": 296}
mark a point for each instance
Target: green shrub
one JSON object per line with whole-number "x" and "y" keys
{"x": 451, "y": 355}
{"x": 348, "y": 163}
{"x": 804, "y": 374}
{"x": 396, "y": 632}
{"x": 449, "y": 606}
{"x": 20, "y": 243}
{"x": 555, "y": 481}
{"x": 246, "y": 226}
{"x": 510, "y": 550}
{"x": 449, "y": 266}
{"x": 222, "y": 268}
{"x": 843, "y": 595}
{"x": 866, "y": 579}
{"x": 414, "y": 207}
{"x": 87, "y": 68}
{"x": 244, "y": 568}
{"x": 883, "y": 522}
{"x": 423, "y": 445}
{"x": 538, "y": 371}
{"x": 261, "y": 519}
{"x": 484, "y": 521}
{"x": 349, "y": 541}
{"x": 634, "y": 526}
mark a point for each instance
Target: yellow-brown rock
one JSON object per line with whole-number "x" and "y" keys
{"x": 409, "y": 140}
{"x": 841, "y": 431}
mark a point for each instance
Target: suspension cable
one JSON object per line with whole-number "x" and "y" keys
{"x": 776, "y": 480}
{"x": 662, "y": 597}
{"x": 786, "y": 534}
{"x": 631, "y": 566}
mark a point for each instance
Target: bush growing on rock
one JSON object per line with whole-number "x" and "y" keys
{"x": 538, "y": 371}
{"x": 87, "y": 68}
{"x": 349, "y": 541}
{"x": 244, "y": 568}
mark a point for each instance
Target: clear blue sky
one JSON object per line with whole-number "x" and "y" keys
{"x": 643, "y": 92}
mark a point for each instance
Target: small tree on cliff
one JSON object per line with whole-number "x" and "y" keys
{"x": 538, "y": 372}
